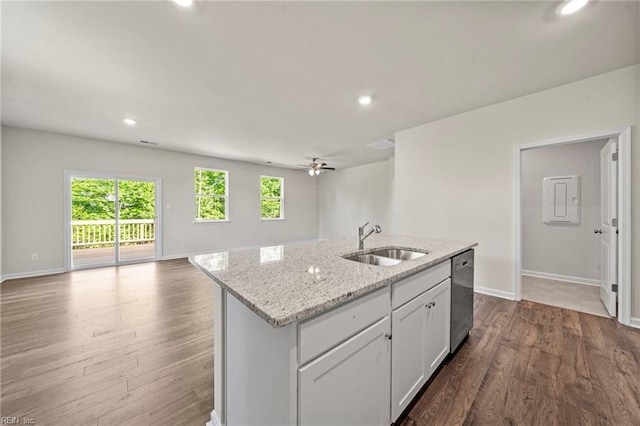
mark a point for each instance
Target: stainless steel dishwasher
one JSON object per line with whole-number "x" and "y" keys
{"x": 461, "y": 298}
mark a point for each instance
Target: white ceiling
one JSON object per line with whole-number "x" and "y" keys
{"x": 279, "y": 81}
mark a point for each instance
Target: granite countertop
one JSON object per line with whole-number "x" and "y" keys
{"x": 291, "y": 282}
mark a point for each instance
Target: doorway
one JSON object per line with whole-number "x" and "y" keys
{"x": 593, "y": 217}
{"x": 111, "y": 220}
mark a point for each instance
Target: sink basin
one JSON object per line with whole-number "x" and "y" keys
{"x": 398, "y": 254}
{"x": 386, "y": 257}
{"x": 372, "y": 259}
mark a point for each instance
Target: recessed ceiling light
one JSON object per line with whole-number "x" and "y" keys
{"x": 571, "y": 6}
{"x": 184, "y": 3}
{"x": 365, "y": 100}
{"x": 129, "y": 121}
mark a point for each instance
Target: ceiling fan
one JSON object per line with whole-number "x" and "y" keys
{"x": 314, "y": 168}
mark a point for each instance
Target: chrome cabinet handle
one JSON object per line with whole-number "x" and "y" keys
{"x": 597, "y": 231}
{"x": 387, "y": 335}
{"x": 430, "y": 305}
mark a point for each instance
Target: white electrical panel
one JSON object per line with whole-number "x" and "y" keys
{"x": 561, "y": 199}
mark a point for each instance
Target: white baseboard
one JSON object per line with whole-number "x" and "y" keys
{"x": 566, "y": 278}
{"x": 635, "y": 322}
{"x": 179, "y": 256}
{"x": 497, "y": 293}
{"x": 30, "y": 274}
{"x": 215, "y": 421}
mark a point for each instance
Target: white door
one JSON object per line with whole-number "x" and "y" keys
{"x": 438, "y": 325}
{"x": 608, "y": 230}
{"x": 349, "y": 385}
{"x": 408, "y": 361}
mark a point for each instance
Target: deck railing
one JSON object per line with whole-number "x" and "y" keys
{"x": 101, "y": 233}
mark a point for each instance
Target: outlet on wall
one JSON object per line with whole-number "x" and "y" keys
{"x": 34, "y": 257}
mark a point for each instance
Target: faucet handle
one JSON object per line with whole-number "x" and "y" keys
{"x": 363, "y": 226}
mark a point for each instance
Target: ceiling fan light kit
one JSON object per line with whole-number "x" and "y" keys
{"x": 314, "y": 168}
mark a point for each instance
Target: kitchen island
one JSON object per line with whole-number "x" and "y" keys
{"x": 304, "y": 336}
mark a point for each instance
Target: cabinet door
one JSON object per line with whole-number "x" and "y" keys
{"x": 349, "y": 385}
{"x": 438, "y": 325}
{"x": 408, "y": 361}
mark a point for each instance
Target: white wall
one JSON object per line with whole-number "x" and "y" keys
{"x": 1, "y": 180}
{"x": 566, "y": 249}
{"x": 350, "y": 197}
{"x": 33, "y": 205}
{"x": 635, "y": 207}
{"x": 454, "y": 178}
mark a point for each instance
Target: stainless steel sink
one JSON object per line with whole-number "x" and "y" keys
{"x": 372, "y": 259}
{"x": 399, "y": 254}
{"x": 386, "y": 257}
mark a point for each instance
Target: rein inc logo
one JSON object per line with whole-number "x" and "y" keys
{"x": 17, "y": 421}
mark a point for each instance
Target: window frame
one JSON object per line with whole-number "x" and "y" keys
{"x": 281, "y": 198}
{"x": 225, "y": 196}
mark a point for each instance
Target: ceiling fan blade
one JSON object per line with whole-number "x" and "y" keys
{"x": 303, "y": 165}
{"x": 327, "y": 168}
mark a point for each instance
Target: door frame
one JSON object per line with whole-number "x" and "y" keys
{"x": 68, "y": 174}
{"x": 623, "y": 137}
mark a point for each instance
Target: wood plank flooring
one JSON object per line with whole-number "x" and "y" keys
{"x": 133, "y": 345}
{"x": 530, "y": 364}
{"x": 111, "y": 346}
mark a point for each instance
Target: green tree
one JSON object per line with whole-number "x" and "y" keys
{"x": 137, "y": 199}
{"x": 270, "y": 202}
{"x": 210, "y": 189}
{"x": 94, "y": 199}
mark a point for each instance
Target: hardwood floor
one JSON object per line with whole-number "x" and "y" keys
{"x": 124, "y": 345}
{"x": 133, "y": 345}
{"x": 530, "y": 364}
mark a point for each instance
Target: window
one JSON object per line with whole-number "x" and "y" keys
{"x": 212, "y": 192}
{"x": 271, "y": 197}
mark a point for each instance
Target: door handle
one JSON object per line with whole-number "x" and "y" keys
{"x": 597, "y": 231}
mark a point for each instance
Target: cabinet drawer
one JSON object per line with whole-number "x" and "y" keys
{"x": 320, "y": 334}
{"x": 348, "y": 385}
{"x": 408, "y": 288}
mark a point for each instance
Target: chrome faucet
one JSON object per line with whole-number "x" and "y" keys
{"x": 364, "y": 235}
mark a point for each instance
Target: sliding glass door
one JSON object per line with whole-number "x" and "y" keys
{"x": 113, "y": 220}
{"x": 93, "y": 223}
{"x": 137, "y": 213}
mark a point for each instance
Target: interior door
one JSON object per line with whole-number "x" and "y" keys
{"x": 608, "y": 229}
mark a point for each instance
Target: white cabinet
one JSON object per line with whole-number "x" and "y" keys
{"x": 322, "y": 333}
{"x": 361, "y": 363}
{"x": 349, "y": 385}
{"x": 420, "y": 343}
{"x": 408, "y": 359}
{"x": 408, "y": 288}
{"x": 438, "y": 325}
